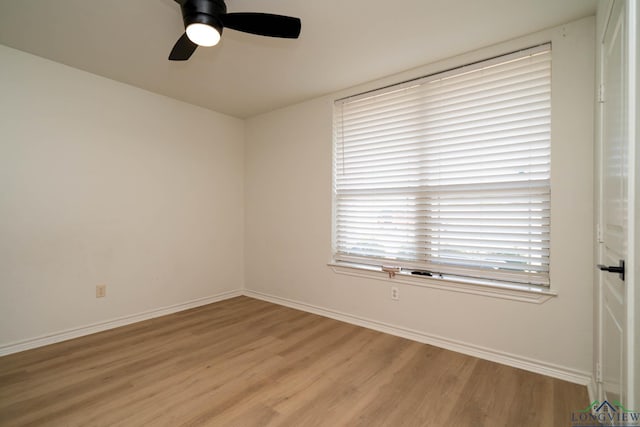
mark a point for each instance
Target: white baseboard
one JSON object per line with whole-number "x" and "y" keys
{"x": 539, "y": 367}
{"x": 532, "y": 365}
{"x": 110, "y": 324}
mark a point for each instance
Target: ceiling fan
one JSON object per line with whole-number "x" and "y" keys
{"x": 205, "y": 19}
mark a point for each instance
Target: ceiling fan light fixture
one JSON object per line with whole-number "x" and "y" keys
{"x": 204, "y": 21}
{"x": 203, "y": 34}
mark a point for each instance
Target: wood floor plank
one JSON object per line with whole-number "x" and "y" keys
{"x": 244, "y": 362}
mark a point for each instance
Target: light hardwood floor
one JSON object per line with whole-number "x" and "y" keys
{"x": 244, "y": 362}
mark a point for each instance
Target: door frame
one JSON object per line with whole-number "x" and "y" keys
{"x": 632, "y": 315}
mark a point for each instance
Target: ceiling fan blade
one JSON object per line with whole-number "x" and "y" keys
{"x": 183, "y": 49}
{"x": 263, "y": 24}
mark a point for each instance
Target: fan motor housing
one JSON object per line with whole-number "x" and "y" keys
{"x": 203, "y": 12}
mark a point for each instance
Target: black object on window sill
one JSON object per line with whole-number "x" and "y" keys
{"x": 421, "y": 273}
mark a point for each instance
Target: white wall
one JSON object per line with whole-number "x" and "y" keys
{"x": 103, "y": 183}
{"x": 288, "y": 223}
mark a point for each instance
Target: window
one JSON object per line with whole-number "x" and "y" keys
{"x": 450, "y": 173}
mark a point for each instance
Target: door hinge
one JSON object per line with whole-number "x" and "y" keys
{"x": 601, "y": 94}
{"x": 599, "y": 233}
{"x": 598, "y": 373}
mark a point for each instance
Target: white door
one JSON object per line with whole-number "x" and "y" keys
{"x": 614, "y": 207}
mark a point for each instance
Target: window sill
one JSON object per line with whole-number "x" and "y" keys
{"x": 516, "y": 292}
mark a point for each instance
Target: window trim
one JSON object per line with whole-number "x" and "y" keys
{"x": 510, "y": 291}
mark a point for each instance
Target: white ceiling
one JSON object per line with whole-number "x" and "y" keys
{"x": 343, "y": 43}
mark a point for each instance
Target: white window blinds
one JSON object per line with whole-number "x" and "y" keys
{"x": 449, "y": 173}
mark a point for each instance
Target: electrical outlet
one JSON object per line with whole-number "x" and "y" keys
{"x": 101, "y": 291}
{"x": 395, "y": 293}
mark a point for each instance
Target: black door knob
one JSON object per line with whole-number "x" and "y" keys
{"x": 619, "y": 269}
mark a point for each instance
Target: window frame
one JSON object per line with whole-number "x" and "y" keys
{"x": 450, "y": 281}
